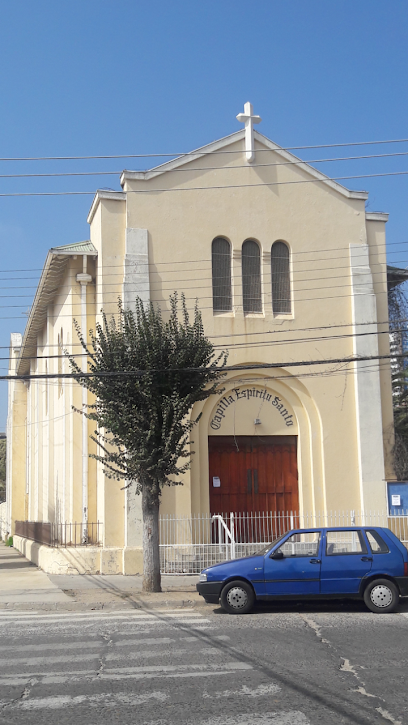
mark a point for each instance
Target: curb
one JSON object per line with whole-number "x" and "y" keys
{"x": 134, "y": 602}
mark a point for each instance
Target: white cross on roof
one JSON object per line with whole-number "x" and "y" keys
{"x": 249, "y": 119}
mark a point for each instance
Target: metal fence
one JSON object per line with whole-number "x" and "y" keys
{"x": 52, "y": 534}
{"x": 188, "y": 544}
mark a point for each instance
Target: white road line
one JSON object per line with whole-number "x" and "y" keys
{"x": 111, "y": 656}
{"x": 141, "y": 619}
{"x": 120, "y": 656}
{"x": 289, "y": 717}
{"x": 245, "y": 691}
{"x": 123, "y": 673}
{"x": 89, "y": 645}
{"x": 92, "y": 612}
{"x": 62, "y": 701}
{"x": 35, "y": 661}
{"x": 99, "y": 613}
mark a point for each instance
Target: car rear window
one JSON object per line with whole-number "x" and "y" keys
{"x": 345, "y": 542}
{"x": 377, "y": 543}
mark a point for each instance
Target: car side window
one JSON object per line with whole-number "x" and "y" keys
{"x": 306, "y": 544}
{"x": 345, "y": 542}
{"x": 377, "y": 544}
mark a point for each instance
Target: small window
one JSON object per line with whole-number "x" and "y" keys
{"x": 301, "y": 544}
{"x": 280, "y": 269}
{"x": 345, "y": 542}
{"x": 377, "y": 544}
{"x": 251, "y": 277}
{"x": 221, "y": 275}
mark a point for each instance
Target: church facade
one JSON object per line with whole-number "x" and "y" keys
{"x": 290, "y": 275}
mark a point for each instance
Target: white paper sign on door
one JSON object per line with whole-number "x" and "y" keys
{"x": 395, "y": 499}
{"x": 216, "y": 482}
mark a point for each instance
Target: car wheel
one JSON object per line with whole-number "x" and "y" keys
{"x": 381, "y": 596}
{"x": 237, "y": 597}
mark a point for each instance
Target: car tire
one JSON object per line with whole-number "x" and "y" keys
{"x": 381, "y": 596}
{"x": 237, "y": 597}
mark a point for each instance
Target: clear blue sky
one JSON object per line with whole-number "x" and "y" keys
{"x": 131, "y": 76}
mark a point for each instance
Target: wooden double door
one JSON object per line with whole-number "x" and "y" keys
{"x": 253, "y": 474}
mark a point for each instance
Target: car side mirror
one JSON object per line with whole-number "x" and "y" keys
{"x": 276, "y": 555}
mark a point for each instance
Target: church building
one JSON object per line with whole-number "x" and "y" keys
{"x": 290, "y": 274}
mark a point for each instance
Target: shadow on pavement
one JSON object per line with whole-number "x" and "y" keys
{"x": 355, "y": 606}
{"x": 16, "y": 564}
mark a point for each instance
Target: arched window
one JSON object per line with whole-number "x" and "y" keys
{"x": 280, "y": 263}
{"x": 251, "y": 277}
{"x": 221, "y": 275}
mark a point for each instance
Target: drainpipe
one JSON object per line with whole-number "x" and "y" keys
{"x": 83, "y": 279}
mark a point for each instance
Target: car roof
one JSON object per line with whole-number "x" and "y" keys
{"x": 335, "y": 528}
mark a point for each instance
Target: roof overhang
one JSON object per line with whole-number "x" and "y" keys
{"x": 396, "y": 276}
{"x": 376, "y": 216}
{"x": 104, "y": 194}
{"x": 48, "y": 287}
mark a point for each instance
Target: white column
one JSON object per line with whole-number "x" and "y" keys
{"x": 63, "y": 516}
{"x": 83, "y": 279}
{"x": 136, "y": 283}
{"x": 367, "y": 382}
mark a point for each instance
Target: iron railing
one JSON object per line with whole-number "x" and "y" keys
{"x": 68, "y": 534}
{"x": 189, "y": 544}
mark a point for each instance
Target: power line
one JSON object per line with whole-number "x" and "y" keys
{"x": 201, "y": 150}
{"x": 329, "y": 250}
{"x": 207, "y": 168}
{"x": 341, "y": 372}
{"x": 153, "y": 190}
{"x": 295, "y": 271}
{"x": 249, "y": 334}
{"x": 227, "y": 368}
{"x": 191, "y": 309}
{"x": 263, "y": 343}
{"x": 267, "y": 294}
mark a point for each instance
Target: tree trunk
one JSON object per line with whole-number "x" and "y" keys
{"x": 151, "y": 551}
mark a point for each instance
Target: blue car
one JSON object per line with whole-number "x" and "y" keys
{"x": 368, "y": 563}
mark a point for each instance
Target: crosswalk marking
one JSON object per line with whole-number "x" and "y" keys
{"x": 90, "y": 671}
{"x": 110, "y": 657}
{"x": 129, "y": 642}
{"x": 104, "y": 700}
{"x": 245, "y": 691}
{"x": 131, "y": 614}
{"x": 105, "y": 663}
{"x": 290, "y": 717}
{"x": 184, "y": 611}
{"x": 123, "y": 673}
{"x": 144, "y": 620}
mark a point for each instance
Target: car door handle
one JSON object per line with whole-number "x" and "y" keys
{"x": 315, "y": 561}
{"x": 366, "y": 558}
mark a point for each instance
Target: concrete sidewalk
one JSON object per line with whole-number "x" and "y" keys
{"x": 24, "y": 586}
{"x": 23, "y": 583}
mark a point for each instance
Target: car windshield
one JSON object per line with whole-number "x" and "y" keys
{"x": 268, "y": 547}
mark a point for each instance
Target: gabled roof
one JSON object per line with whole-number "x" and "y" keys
{"x": 221, "y": 144}
{"x": 76, "y": 248}
{"x": 48, "y": 286}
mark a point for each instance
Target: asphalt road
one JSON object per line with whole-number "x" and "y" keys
{"x": 281, "y": 665}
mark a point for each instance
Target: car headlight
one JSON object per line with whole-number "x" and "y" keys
{"x": 203, "y": 577}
